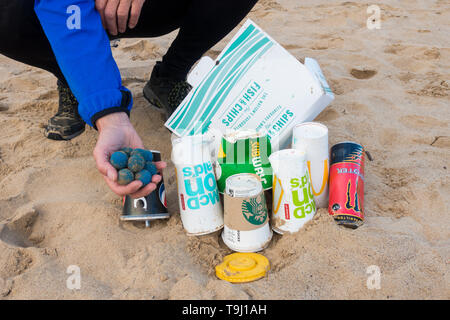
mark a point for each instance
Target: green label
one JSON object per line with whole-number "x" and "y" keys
{"x": 254, "y": 210}
{"x": 245, "y": 156}
{"x": 302, "y": 197}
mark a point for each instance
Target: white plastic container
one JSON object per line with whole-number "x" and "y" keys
{"x": 293, "y": 202}
{"x": 247, "y": 226}
{"x": 198, "y": 196}
{"x": 312, "y": 137}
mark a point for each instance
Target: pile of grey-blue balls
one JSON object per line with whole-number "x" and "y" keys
{"x": 133, "y": 164}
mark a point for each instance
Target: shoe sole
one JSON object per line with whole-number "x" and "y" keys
{"x": 56, "y": 135}
{"x": 154, "y": 101}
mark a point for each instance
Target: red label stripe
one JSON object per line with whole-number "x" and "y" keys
{"x": 286, "y": 211}
{"x": 182, "y": 201}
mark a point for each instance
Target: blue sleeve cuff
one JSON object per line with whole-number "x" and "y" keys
{"x": 125, "y": 106}
{"x": 110, "y": 101}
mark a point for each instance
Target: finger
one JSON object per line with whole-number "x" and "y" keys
{"x": 144, "y": 191}
{"x": 120, "y": 190}
{"x": 103, "y": 164}
{"x": 111, "y": 16}
{"x": 100, "y": 5}
{"x": 147, "y": 190}
{"x": 135, "y": 13}
{"x": 122, "y": 15}
{"x": 156, "y": 178}
{"x": 160, "y": 165}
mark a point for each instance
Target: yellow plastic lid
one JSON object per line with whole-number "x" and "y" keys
{"x": 243, "y": 267}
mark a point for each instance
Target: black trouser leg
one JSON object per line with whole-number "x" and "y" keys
{"x": 206, "y": 22}
{"x": 22, "y": 38}
{"x": 202, "y": 24}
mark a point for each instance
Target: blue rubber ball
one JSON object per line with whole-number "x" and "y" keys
{"x": 144, "y": 176}
{"x": 125, "y": 177}
{"x": 119, "y": 160}
{"x": 150, "y": 167}
{"x": 136, "y": 163}
{"x": 146, "y": 154}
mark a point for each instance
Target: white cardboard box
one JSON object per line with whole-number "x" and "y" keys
{"x": 253, "y": 84}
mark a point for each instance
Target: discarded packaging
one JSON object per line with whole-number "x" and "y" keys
{"x": 253, "y": 84}
{"x": 293, "y": 203}
{"x": 346, "y": 202}
{"x": 199, "y": 201}
{"x": 312, "y": 137}
{"x": 243, "y": 267}
{"x": 151, "y": 207}
{"x": 244, "y": 151}
{"x": 246, "y": 218}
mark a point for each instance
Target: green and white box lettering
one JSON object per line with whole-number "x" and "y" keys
{"x": 253, "y": 84}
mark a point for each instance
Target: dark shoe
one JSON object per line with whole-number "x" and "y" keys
{"x": 66, "y": 124}
{"x": 165, "y": 93}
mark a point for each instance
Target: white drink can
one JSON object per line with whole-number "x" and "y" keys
{"x": 293, "y": 202}
{"x": 200, "y": 208}
{"x": 247, "y": 226}
{"x": 312, "y": 137}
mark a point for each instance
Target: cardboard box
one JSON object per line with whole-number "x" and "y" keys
{"x": 253, "y": 84}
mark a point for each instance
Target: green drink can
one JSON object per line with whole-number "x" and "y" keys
{"x": 244, "y": 151}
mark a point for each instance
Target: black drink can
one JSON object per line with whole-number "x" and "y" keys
{"x": 150, "y": 207}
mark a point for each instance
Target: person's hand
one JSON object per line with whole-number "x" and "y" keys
{"x": 116, "y": 132}
{"x": 115, "y": 13}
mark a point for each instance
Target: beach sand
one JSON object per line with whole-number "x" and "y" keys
{"x": 392, "y": 95}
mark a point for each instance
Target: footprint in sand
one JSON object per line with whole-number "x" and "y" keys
{"x": 143, "y": 50}
{"x": 3, "y": 107}
{"x": 337, "y": 86}
{"x": 363, "y": 73}
{"x": 416, "y": 52}
{"x": 18, "y": 232}
{"x": 420, "y": 122}
{"x": 265, "y": 7}
{"x": 270, "y": 4}
{"x": 6, "y": 286}
{"x": 14, "y": 262}
{"x": 435, "y": 88}
{"x": 397, "y": 196}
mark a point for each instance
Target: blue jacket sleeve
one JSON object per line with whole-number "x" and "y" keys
{"x": 84, "y": 56}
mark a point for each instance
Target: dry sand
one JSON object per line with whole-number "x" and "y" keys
{"x": 392, "y": 95}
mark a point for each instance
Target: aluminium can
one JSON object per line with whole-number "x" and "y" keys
{"x": 150, "y": 207}
{"x": 346, "y": 200}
